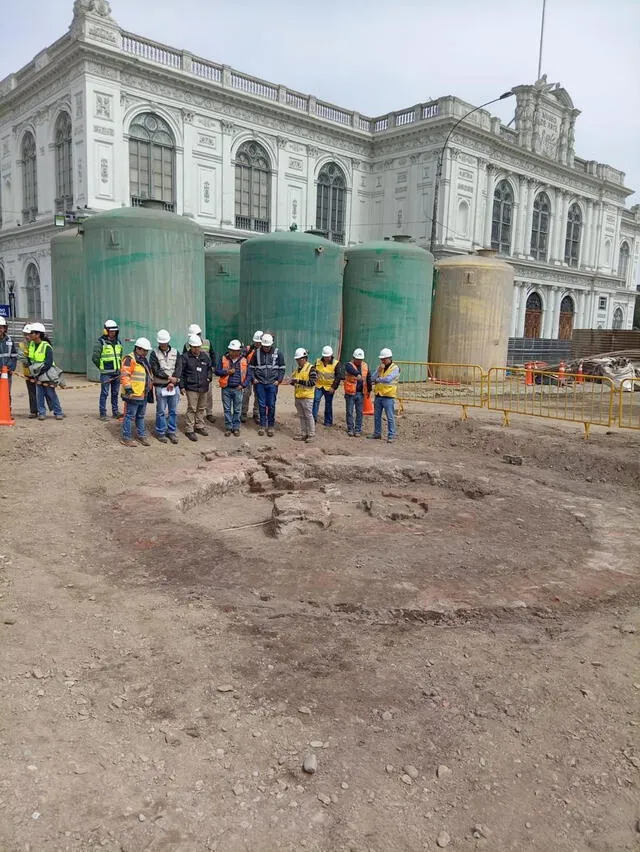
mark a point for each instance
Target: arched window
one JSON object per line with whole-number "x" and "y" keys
{"x": 29, "y": 179}
{"x": 533, "y": 315}
{"x": 606, "y": 254}
{"x": 502, "y": 216}
{"x": 331, "y": 202}
{"x": 623, "y": 261}
{"x": 64, "y": 163}
{"x": 253, "y": 188}
{"x": 618, "y": 318}
{"x": 565, "y": 322}
{"x": 572, "y": 240}
{"x": 152, "y": 158}
{"x": 3, "y": 287}
{"x": 463, "y": 219}
{"x": 540, "y": 227}
{"x": 34, "y": 301}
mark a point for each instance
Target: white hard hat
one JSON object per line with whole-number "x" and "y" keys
{"x": 27, "y": 329}
{"x": 257, "y": 337}
{"x": 37, "y": 326}
{"x": 195, "y": 340}
{"x": 267, "y": 340}
{"x": 3, "y": 321}
{"x": 385, "y": 353}
{"x": 300, "y": 353}
{"x": 235, "y": 345}
{"x": 163, "y": 336}
{"x": 142, "y": 343}
{"x": 194, "y": 328}
{"x": 111, "y": 324}
{"x": 358, "y": 353}
{"x": 327, "y": 352}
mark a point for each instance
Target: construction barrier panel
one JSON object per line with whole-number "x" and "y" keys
{"x": 571, "y": 397}
{"x": 629, "y": 405}
{"x": 443, "y": 384}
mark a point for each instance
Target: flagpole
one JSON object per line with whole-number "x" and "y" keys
{"x": 544, "y": 7}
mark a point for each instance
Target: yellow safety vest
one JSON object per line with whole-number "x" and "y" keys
{"x": 111, "y": 356}
{"x": 326, "y": 374}
{"x": 134, "y": 376}
{"x": 38, "y": 353}
{"x": 302, "y": 374}
{"x": 382, "y": 389}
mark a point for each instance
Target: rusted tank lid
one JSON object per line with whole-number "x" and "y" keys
{"x": 488, "y": 252}
{"x": 401, "y": 238}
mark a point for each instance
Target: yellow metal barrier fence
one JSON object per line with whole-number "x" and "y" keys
{"x": 572, "y": 397}
{"x": 443, "y": 384}
{"x": 629, "y": 406}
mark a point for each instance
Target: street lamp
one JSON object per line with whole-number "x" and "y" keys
{"x": 436, "y": 186}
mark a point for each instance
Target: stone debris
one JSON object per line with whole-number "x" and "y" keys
{"x": 443, "y": 771}
{"x": 509, "y": 459}
{"x": 37, "y": 673}
{"x": 225, "y": 687}
{"x": 310, "y": 764}
{"x": 322, "y": 797}
{"x": 411, "y": 771}
{"x": 443, "y": 839}
{"x": 295, "y": 513}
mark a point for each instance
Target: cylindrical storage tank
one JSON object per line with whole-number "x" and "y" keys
{"x": 291, "y": 285}
{"x": 387, "y": 299}
{"x": 145, "y": 270}
{"x": 68, "y": 287}
{"x": 472, "y": 311}
{"x": 222, "y": 294}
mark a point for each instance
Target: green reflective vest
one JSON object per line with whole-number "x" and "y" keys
{"x": 110, "y": 357}
{"x": 37, "y": 353}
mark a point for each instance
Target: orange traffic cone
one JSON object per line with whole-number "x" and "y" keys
{"x": 528, "y": 374}
{"x": 367, "y": 407}
{"x": 5, "y": 404}
{"x": 580, "y": 378}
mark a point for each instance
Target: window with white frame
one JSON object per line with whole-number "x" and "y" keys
{"x": 152, "y": 159}
{"x": 64, "y": 163}
{"x": 253, "y": 188}
{"x": 32, "y": 286}
{"x": 331, "y": 202}
{"x": 573, "y": 234}
{"x": 502, "y": 217}
{"x": 29, "y": 178}
{"x": 540, "y": 226}
{"x": 623, "y": 261}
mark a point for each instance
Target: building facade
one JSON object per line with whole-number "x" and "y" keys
{"x": 103, "y": 118}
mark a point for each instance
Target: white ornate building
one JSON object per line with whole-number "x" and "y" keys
{"x": 103, "y": 118}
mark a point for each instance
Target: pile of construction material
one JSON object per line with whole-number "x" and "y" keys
{"x": 622, "y": 367}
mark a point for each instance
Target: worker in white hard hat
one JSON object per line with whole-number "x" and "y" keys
{"x": 267, "y": 372}
{"x": 206, "y": 347}
{"x": 166, "y": 368}
{"x": 107, "y": 356}
{"x": 137, "y": 390}
{"x": 43, "y": 368}
{"x": 23, "y": 357}
{"x": 329, "y": 373}
{"x": 195, "y": 384}
{"x": 356, "y": 384}
{"x": 303, "y": 379}
{"x": 8, "y": 351}
{"x": 385, "y": 387}
{"x": 250, "y": 353}
{"x": 233, "y": 371}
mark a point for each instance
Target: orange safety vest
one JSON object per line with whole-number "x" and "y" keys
{"x": 350, "y": 383}
{"x": 134, "y": 376}
{"x": 227, "y": 364}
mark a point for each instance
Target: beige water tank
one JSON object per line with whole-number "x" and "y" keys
{"x": 471, "y": 316}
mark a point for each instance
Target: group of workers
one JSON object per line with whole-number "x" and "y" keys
{"x": 162, "y": 373}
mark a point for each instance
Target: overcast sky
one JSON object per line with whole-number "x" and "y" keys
{"x": 380, "y": 55}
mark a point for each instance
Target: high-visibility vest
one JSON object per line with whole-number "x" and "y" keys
{"x": 37, "y": 353}
{"x": 24, "y": 349}
{"x": 350, "y": 383}
{"x": 326, "y": 373}
{"x": 227, "y": 364}
{"x": 111, "y": 356}
{"x": 302, "y": 375}
{"x": 133, "y": 375}
{"x": 382, "y": 389}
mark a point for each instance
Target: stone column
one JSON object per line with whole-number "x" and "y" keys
{"x": 489, "y": 207}
{"x": 523, "y": 194}
{"x": 515, "y": 310}
{"x": 550, "y": 318}
{"x": 561, "y": 231}
{"x": 477, "y": 234}
{"x": 522, "y": 309}
{"x": 587, "y": 235}
{"x": 529, "y": 220}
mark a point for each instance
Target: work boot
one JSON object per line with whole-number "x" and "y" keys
{"x": 44, "y": 417}
{"x": 59, "y": 416}
{"x": 227, "y": 432}
{"x": 191, "y": 436}
{"x": 350, "y": 434}
{"x": 260, "y": 431}
{"x": 202, "y": 432}
{"x": 236, "y": 432}
{"x": 162, "y": 438}
{"x": 243, "y": 418}
{"x": 103, "y": 417}
{"x": 299, "y": 438}
{"x": 32, "y": 416}
{"x": 374, "y": 437}
{"x": 310, "y": 439}
{"x": 144, "y": 441}
{"x": 127, "y": 443}
{"x": 210, "y": 418}
{"x": 269, "y": 433}
{"x": 117, "y": 415}
{"x": 172, "y": 438}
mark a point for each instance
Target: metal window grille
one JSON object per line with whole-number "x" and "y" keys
{"x": 540, "y": 227}
{"x": 572, "y": 240}
{"x": 152, "y": 156}
{"x": 253, "y": 188}
{"x": 502, "y": 217}
{"x": 29, "y": 178}
{"x": 64, "y": 163}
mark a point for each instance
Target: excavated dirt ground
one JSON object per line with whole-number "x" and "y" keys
{"x": 449, "y": 625}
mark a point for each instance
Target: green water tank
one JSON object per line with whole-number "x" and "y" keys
{"x": 291, "y": 285}
{"x": 145, "y": 270}
{"x": 68, "y": 283}
{"x": 387, "y": 299}
{"x": 222, "y": 294}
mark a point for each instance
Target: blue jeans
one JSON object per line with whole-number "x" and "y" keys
{"x": 328, "y": 405}
{"x": 232, "y": 407}
{"x": 166, "y": 412}
{"x": 134, "y": 409}
{"x": 109, "y": 380}
{"x": 354, "y": 401}
{"x": 386, "y": 404}
{"x": 267, "y": 396}
{"x": 48, "y": 394}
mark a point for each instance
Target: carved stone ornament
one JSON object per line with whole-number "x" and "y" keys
{"x": 312, "y": 151}
{"x": 187, "y": 116}
{"x": 227, "y": 127}
{"x": 282, "y": 142}
{"x": 98, "y": 7}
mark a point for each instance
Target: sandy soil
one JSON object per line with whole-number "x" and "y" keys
{"x": 454, "y": 637}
